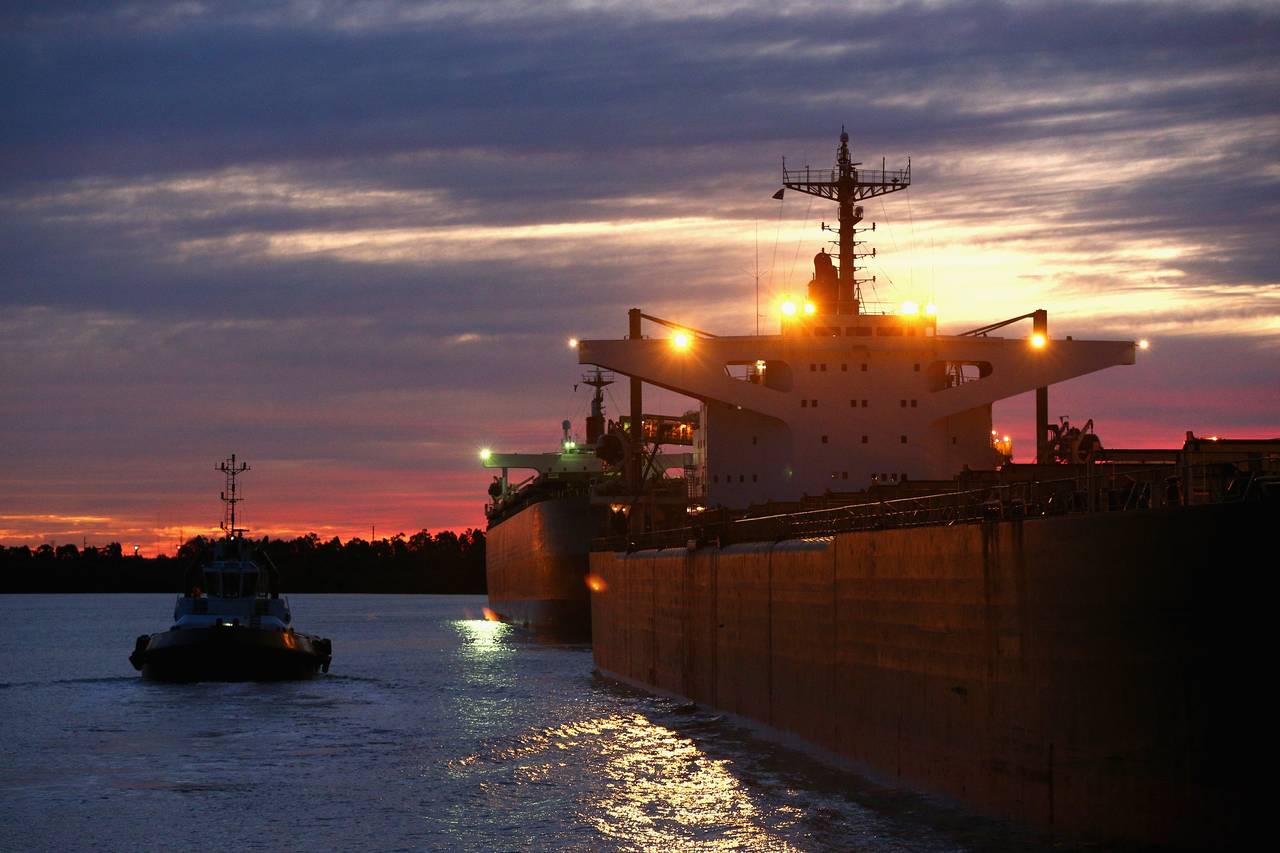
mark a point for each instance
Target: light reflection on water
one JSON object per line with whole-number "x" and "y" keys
{"x": 436, "y": 730}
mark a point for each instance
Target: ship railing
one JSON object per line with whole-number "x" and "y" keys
{"x": 1098, "y": 488}
{"x": 831, "y": 176}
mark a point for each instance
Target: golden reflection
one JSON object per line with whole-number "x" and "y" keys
{"x": 595, "y": 583}
{"x": 658, "y": 790}
{"x": 484, "y": 637}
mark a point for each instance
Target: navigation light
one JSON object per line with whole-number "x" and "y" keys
{"x": 810, "y": 308}
{"x": 788, "y": 308}
{"x": 485, "y": 454}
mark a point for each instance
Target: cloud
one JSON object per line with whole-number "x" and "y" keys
{"x": 361, "y": 233}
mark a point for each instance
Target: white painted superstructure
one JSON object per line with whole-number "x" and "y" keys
{"x": 837, "y": 402}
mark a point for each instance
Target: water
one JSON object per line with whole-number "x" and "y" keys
{"x": 435, "y": 730}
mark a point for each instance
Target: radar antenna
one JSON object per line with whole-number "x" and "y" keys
{"x": 847, "y": 184}
{"x": 230, "y": 496}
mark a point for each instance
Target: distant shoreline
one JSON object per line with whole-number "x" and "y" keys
{"x": 425, "y": 564}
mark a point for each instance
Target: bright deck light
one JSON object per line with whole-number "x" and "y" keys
{"x": 573, "y": 343}
{"x": 485, "y": 454}
{"x": 810, "y": 308}
{"x": 788, "y": 308}
{"x": 931, "y": 309}
{"x": 910, "y": 308}
{"x": 680, "y": 341}
{"x": 1144, "y": 344}
{"x": 1038, "y": 340}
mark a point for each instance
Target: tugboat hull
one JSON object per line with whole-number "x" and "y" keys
{"x": 230, "y": 653}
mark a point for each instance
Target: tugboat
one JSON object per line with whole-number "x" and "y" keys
{"x": 231, "y": 623}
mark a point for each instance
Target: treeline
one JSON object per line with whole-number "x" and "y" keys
{"x": 444, "y": 562}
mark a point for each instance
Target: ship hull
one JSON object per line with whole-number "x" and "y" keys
{"x": 1086, "y": 673}
{"x": 536, "y": 566}
{"x": 230, "y": 653}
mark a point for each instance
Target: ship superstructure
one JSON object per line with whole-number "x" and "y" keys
{"x": 841, "y": 398}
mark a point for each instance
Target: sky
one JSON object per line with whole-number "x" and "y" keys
{"x": 349, "y": 241}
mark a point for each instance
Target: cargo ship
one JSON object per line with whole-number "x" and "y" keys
{"x": 847, "y": 553}
{"x": 540, "y": 527}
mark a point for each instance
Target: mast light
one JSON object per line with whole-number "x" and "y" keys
{"x": 910, "y": 308}
{"x": 788, "y": 308}
{"x": 1038, "y": 340}
{"x": 485, "y": 454}
{"x": 680, "y": 341}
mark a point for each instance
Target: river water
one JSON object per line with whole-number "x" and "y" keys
{"x": 435, "y": 730}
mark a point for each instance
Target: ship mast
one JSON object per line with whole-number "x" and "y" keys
{"x": 597, "y": 379}
{"x": 230, "y": 496}
{"x": 846, "y": 184}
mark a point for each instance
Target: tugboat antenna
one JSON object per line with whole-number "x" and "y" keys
{"x": 847, "y": 184}
{"x": 230, "y": 496}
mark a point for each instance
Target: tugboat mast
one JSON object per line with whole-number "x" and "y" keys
{"x": 846, "y": 184}
{"x": 230, "y": 496}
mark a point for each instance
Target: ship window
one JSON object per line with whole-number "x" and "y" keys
{"x": 903, "y": 403}
{"x": 742, "y": 478}
{"x": 844, "y": 368}
{"x": 213, "y": 583}
{"x": 755, "y": 439}
{"x": 715, "y": 478}
{"x": 853, "y": 403}
{"x": 804, "y": 404}
{"x": 864, "y": 404}
{"x": 864, "y": 439}
{"x": 230, "y": 584}
{"x": 823, "y": 368}
{"x": 917, "y": 368}
{"x": 889, "y": 331}
{"x": 250, "y": 585}
{"x": 754, "y": 478}
{"x": 859, "y": 331}
{"x": 824, "y": 440}
{"x": 844, "y": 475}
{"x": 902, "y": 439}
{"x": 864, "y": 367}
{"x": 813, "y": 403}
{"x": 953, "y": 439}
{"x": 913, "y": 404}
{"x": 813, "y": 368}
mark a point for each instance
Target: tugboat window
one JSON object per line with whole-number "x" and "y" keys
{"x": 230, "y": 585}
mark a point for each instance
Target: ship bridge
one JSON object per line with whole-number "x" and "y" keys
{"x": 836, "y": 402}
